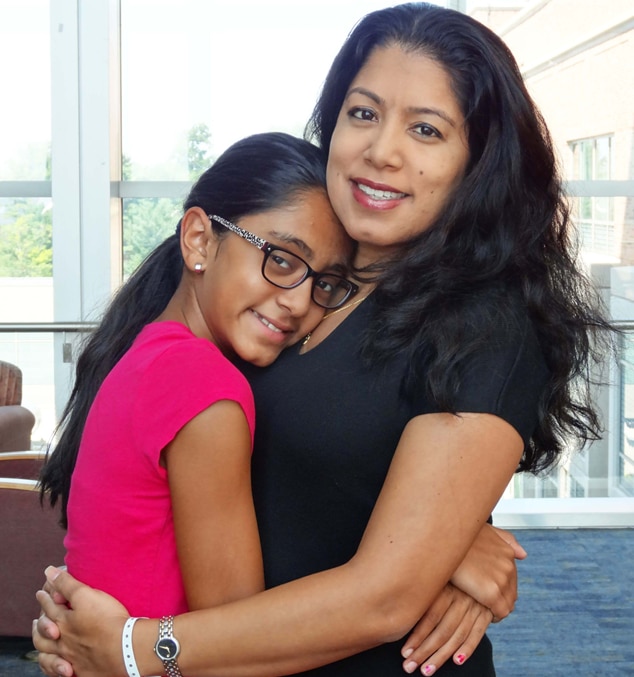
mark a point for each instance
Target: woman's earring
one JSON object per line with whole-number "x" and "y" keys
{"x": 198, "y": 267}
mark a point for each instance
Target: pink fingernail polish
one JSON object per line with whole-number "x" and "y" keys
{"x": 429, "y": 669}
{"x": 460, "y": 659}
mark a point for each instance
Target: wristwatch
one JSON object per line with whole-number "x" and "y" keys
{"x": 167, "y": 647}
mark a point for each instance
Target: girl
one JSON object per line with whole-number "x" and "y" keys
{"x": 463, "y": 358}
{"x": 153, "y": 464}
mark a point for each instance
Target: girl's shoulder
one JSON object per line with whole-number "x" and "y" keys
{"x": 170, "y": 348}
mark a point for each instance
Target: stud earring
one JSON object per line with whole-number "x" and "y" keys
{"x": 198, "y": 267}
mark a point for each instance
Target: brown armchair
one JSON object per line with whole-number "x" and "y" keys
{"x": 22, "y": 464}
{"x": 31, "y": 539}
{"x": 16, "y": 421}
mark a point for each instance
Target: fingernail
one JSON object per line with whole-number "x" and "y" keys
{"x": 460, "y": 658}
{"x": 410, "y": 667}
{"x": 51, "y": 573}
{"x": 406, "y": 653}
{"x": 429, "y": 669}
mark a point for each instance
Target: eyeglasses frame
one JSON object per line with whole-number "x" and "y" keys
{"x": 268, "y": 248}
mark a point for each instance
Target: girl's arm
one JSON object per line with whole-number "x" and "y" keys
{"x": 209, "y": 472}
{"x": 451, "y": 629}
{"x": 447, "y": 474}
{"x": 489, "y": 572}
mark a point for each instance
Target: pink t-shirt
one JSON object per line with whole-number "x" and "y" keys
{"x": 120, "y": 530}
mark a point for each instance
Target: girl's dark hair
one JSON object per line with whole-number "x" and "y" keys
{"x": 257, "y": 174}
{"x": 504, "y": 233}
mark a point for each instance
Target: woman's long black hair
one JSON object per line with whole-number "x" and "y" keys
{"x": 504, "y": 233}
{"x": 257, "y": 174}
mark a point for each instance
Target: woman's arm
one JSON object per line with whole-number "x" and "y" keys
{"x": 209, "y": 473}
{"x": 447, "y": 474}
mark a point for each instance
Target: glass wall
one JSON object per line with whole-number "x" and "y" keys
{"x": 592, "y": 159}
{"x": 25, "y": 116}
{"x": 573, "y": 63}
{"x": 117, "y": 105}
{"x": 26, "y": 245}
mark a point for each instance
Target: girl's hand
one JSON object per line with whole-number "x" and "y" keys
{"x": 49, "y": 588}
{"x": 82, "y": 637}
{"x": 452, "y": 627}
{"x": 488, "y": 573}
{"x": 50, "y": 664}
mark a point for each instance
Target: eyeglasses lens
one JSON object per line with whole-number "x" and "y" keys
{"x": 287, "y": 270}
{"x": 284, "y": 269}
{"x": 330, "y": 291}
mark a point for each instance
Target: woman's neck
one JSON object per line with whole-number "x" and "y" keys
{"x": 368, "y": 255}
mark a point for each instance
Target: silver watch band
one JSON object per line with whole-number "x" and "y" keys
{"x": 166, "y": 631}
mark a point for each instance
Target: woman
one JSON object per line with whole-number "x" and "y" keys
{"x": 459, "y": 353}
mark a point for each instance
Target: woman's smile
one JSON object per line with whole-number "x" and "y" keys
{"x": 376, "y": 196}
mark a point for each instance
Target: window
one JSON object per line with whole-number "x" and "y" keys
{"x": 625, "y": 466}
{"x": 594, "y": 216}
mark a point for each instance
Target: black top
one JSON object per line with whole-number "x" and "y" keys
{"x": 327, "y": 427}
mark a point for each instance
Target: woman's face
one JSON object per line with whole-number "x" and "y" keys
{"x": 249, "y": 317}
{"x": 398, "y": 150}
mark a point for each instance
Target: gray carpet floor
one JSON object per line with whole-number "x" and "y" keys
{"x": 575, "y": 614}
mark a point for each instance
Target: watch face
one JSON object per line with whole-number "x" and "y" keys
{"x": 167, "y": 648}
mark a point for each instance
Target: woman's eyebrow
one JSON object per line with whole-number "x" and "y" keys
{"x": 427, "y": 110}
{"x": 414, "y": 110}
{"x": 366, "y": 92}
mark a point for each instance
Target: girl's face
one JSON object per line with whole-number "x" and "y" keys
{"x": 398, "y": 150}
{"x": 244, "y": 314}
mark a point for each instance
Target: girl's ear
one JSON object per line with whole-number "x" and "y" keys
{"x": 197, "y": 239}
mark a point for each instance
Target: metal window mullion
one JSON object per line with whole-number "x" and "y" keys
{"x": 99, "y": 273}
{"x": 65, "y": 181}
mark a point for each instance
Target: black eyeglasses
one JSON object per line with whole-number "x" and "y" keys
{"x": 287, "y": 270}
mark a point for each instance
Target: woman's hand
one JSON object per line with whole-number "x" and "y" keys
{"x": 57, "y": 636}
{"x": 452, "y": 627}
{"x": 488, "y": 573}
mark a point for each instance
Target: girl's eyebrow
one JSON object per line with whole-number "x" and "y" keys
{"x": 414, "y": 110}
{"x": 337, "y": 268}
{"x": 287, "y": 238}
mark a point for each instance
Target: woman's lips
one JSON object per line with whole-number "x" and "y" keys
{"x": 376, "y": 196}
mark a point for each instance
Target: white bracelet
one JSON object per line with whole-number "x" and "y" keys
{"x": 131, "y": 667}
